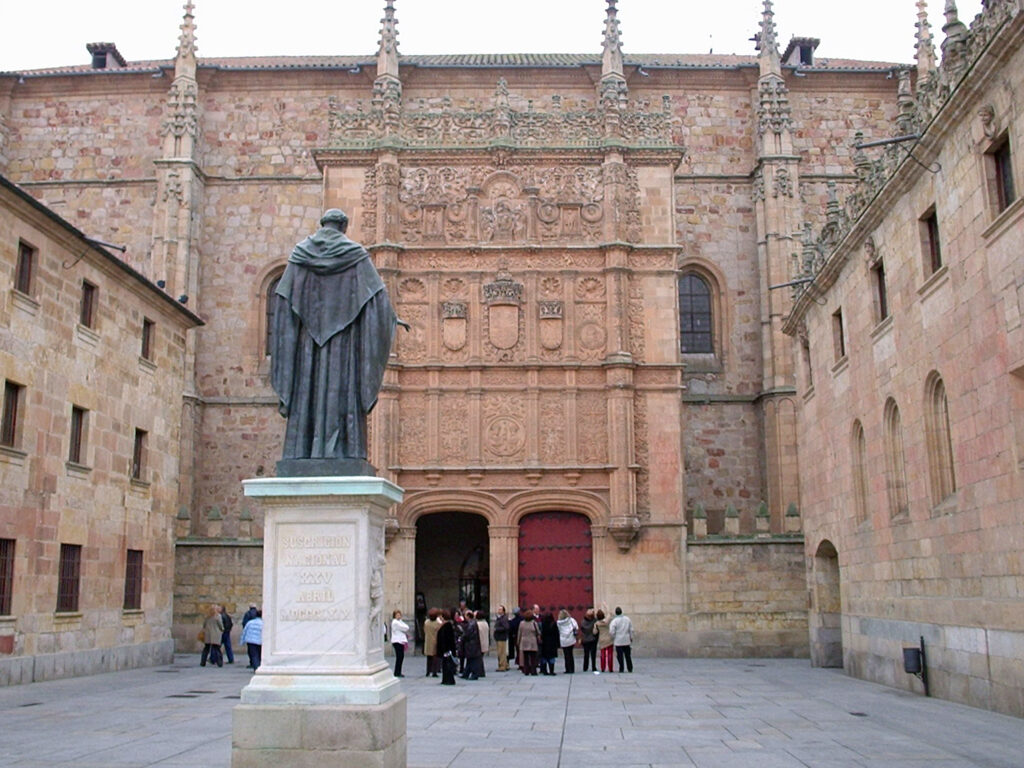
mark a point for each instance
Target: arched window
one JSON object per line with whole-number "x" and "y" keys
{"x": 268, "y": 313}
{"x": 860, "y": 470}
{"x": 895, "y": 468}
{"x": 939, "y": 443}
{"x": 695, "y": 315}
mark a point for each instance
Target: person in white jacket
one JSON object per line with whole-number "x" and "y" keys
{"x": 399, "y": 640}
{"x": 621, "y": 630}
{"x": 568, "y": 631}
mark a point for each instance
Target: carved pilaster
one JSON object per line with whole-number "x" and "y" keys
{"x": 503, "y": 543}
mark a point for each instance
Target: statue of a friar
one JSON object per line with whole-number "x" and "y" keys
{"x": 332, "y": 332}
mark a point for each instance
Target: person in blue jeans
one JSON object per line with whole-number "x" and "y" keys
{"x": 225, "y": 637}
{"x": 252, "y": 636}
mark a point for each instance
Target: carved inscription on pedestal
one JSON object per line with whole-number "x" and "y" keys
{"x": 315, "y": 588}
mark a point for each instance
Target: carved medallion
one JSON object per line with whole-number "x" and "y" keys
{"x": 505, "y": 436}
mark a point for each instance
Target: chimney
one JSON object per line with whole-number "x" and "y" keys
{"x": 105, "y": 56}
{"x": 800, "y": 51}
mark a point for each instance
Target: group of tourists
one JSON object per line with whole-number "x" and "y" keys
{"x": 216, "y": 635}
{"x": 455, "y": 641}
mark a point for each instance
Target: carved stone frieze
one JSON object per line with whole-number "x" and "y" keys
{"x": 514, "y": 203}
{"x": 511, "y": 118}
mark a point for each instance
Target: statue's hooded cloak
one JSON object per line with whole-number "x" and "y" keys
{"x": 332, "y": 332}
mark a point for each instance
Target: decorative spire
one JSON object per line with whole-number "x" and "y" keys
{"x": 925, "y": 46}
{"x": 187, "y": 41}
{"x": 954, "y": 47}
{"x": 768, "y": 43}
{"x": 611, "y": 61}
{"x": 767, "y": 39}
{"x": 387, "y": 54}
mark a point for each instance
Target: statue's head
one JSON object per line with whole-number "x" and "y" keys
{"x": 335, "y": 216}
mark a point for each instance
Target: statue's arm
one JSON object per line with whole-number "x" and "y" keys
{"x": 282, "y": 354}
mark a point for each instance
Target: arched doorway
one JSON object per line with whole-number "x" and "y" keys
{"x": 453, "y": 560}
{"x": 556, "y": 567}
{"x": 826, "y": 608}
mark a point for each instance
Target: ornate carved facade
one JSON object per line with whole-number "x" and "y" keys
{"x": 534, "y": 218}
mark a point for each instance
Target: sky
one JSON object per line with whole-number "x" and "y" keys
{"x": 52, "y": 33}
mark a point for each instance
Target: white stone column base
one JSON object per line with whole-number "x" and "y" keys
{"x": 320, "y": 736}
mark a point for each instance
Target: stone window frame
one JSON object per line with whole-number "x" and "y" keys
{"x": 133, "y": 571}
{"x": 931, "y": 242}
{"x": 7, "y": 547}
{"x": 704, "y": 361}
{"x": 13, "y": 410}
{"x": 696, "y": 323}
{"x": 89, "y": 305}
{"x": 69, "y": 578}
{"x": 140, "y": 446}
{"x": 859, "y": 467}
{"x": 78, "y": 436}
{"x": 265, "y": 286}
{"x": 25, "y": 268}
{"x": 895, "y": 461}
{"x": 880, "y": 292}
{"x": 147, "y": 339}
{"x": 1000, "y": 188}
{"x": 938, "y": 440}
{"x": 839, "y": 346}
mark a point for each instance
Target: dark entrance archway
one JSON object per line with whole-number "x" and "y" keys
{"x": 556, "y": 565}
{"x": 453, "y": 560}
{"x": 826, "y": 610}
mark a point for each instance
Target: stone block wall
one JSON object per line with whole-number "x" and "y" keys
{"x": 208, "y": 571}
{"x": 746, "y": 598}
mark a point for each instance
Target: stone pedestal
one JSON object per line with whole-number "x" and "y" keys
{"x": 324, "y": 695}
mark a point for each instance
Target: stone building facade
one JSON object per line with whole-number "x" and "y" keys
{"x": 913, "y": 384}
{"x": 92, "y": 359}
{"x": 597, "y": 402}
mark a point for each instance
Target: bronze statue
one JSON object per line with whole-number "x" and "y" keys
{"x": 332, "y": 332}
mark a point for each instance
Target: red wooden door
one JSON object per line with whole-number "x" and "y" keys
{"x": 556, "y": 562}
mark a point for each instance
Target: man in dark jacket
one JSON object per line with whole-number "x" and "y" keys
{"x": 471, "y": 648}
{"x": 225, "y": 638}
{"x": 513, "y": 634}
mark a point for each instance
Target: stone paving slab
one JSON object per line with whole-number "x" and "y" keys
{"x": 670, "y": 713}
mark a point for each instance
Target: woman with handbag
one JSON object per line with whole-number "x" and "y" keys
{"x": 213, "y": 628}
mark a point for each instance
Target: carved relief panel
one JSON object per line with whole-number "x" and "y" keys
{"x": 513, "y": 204}
{"x": 591, "y": 325}
{"x": 504, "y": 427}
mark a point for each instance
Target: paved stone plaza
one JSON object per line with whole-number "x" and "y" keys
{"x": 670, "y": 712}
